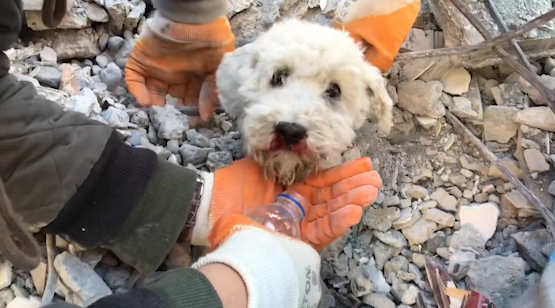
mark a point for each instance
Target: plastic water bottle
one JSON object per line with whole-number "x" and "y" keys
{"x": 283, "y": 216}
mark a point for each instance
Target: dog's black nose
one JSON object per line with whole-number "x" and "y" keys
{"x": 291, "y": 132}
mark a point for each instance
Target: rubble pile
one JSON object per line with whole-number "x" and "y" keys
{"x": 440, "y": 197}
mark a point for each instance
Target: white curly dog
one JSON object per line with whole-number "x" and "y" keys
{"x": 299, "y": 92}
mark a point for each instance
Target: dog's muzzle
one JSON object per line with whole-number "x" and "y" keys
{"x": 289, "y": 136}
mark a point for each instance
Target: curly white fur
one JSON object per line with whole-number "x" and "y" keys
{"x": 315, "y": 57}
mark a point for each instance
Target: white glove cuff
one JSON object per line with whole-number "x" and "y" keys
{"x": 278, "y": 271}
{"x": 202, "y": 223}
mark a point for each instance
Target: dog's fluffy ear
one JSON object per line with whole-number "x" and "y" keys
{"x": 381, "y": 105}
{"x": 236, "y": 68}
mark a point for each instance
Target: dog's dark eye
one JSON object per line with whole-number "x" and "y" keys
{"x": 278, "y": 79}
{"x": 334, "y": 91}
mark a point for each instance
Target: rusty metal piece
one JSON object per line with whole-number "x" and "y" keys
{"x": 439, "y": 278}
{"x": 531, "y": 25}
{"x": 477, "y": 300}
{"x": 525, "y": 72}
{"x": 538, "y": 204}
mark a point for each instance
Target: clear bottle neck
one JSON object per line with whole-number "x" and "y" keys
{"x": 294, "y": 202}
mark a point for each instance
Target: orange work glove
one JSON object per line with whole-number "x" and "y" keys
{"x": 180, "y": 60}
{"x": 337, "y": 197}
{"x": 382, "y": 26}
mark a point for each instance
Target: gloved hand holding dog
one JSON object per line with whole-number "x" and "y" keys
{"x": 337, "y": 198}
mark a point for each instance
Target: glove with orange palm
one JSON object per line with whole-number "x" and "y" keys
{"x": 336, "y": 198}
{"x": 180, "y": 60}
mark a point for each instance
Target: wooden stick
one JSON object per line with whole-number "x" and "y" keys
{"x": 544, "y": 210}
{"x": 524, "y": 71}
{"x": 520, "y": 157}
{"x": 535, "y": 23}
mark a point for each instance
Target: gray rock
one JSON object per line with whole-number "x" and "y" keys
{"x": 83, "y": 104}
{"x": 114, "y": 43}
{"x": 118, "y": 10}
{"x": 378, "y": 300}
{"x": 152, "y": 135}
{"x": 410, "y": 295}
{"x": 217, "y": 160}
{"x": 392, "y": 237}
{"x": 95, "y": 12}
{"x": 6, "y": 296}
{"x": 19, "y": 291}
{"x": 459, "y": 263}
{"x": 80, "y": 278}
{"x": 75, "y": 44}
{"x": 499, "y": 123}
{"x": 125, "y": 50}
{"x": 141, "y": 119}
{"x": 538, "y": 117}
{"x": 381, "y": 219}
{"x": 48, "y": 55}
{"x": 530, "y": 246}
{"x": 229, "y": 144}
{"x": 132, "y": 19}
{"x": 103, "y": 41}
{"x": 173, "y": 146}
{"x": 169, "y": 122}
{"x": 509, "y": 95}
{"x": 421, "y": 98}
{"x": 111, "y": 76}
{"x": 467, "y": 237}
{"x": 135, "y": 139}
{"x": 462, "y": 108}
{"x": 117, "y": 277}
{"x": 49, "y": 76}
{"x": 420, "y": 231}
{"x": 437, "y": 240}
{"x": 440, "y": 217}
{"x": 390, "y": 201}
{"x": 379, "y": 283}
{"x": 445, "y": 201}
{"x": 361, "y": 285}
{"x": 383, "y": 252}
{"x": 6, "y": 274}
{"x": 102, "y": 61}
{"x": 396, "y": 264}
{"x": 194, "y": 155}
{"x": 502, "y": 279}
{"x": 96, "y": 69}
{"x": 122, "y": 62}
{"x": 116, "y": 117}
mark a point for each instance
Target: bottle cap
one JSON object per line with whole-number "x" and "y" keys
{"x": 284, "y": 195}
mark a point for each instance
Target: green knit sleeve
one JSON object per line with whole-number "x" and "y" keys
{"x": 156, "y": 223}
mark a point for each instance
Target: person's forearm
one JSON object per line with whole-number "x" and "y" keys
{"x": 191, "y": 11}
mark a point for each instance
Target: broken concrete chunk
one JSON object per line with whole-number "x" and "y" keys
{"x": 426, "y": 122}
{"x": 392, "y": 237}
{"x": 483, "y": 217}
{"x": 421, "y": 98}
{"x": 509, "y": 94}
{"x": 510, "y": 164}
{"x": 378, "y": 300}
{"x": 445, "y": 200}
{"x": 530, "y": 245}
{"x": 456, "y": 82}
{"x": 502, "y": 279}
{"x": 415, "y": 191}
{"x": 538, "y": 117}
{"x": 420, "y": 232}
{"x": 81, "y": 278}
{"x": 467, "y": 237}
{"x": 381, "y": 219}
{"x": 440, "y": 217}
{"x": 462, "y": 108}
{"x": 499, "y": 123}
{"x": 535, "y": 161}
{"x": 377, "y": 278}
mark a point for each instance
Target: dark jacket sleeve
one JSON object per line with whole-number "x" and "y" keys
{"x": 73, "y": 176}
{"x": 181, "y": 288}
{"x": 76, "y": 177}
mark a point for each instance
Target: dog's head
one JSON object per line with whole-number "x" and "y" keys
{"x": 300, "y": 91}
